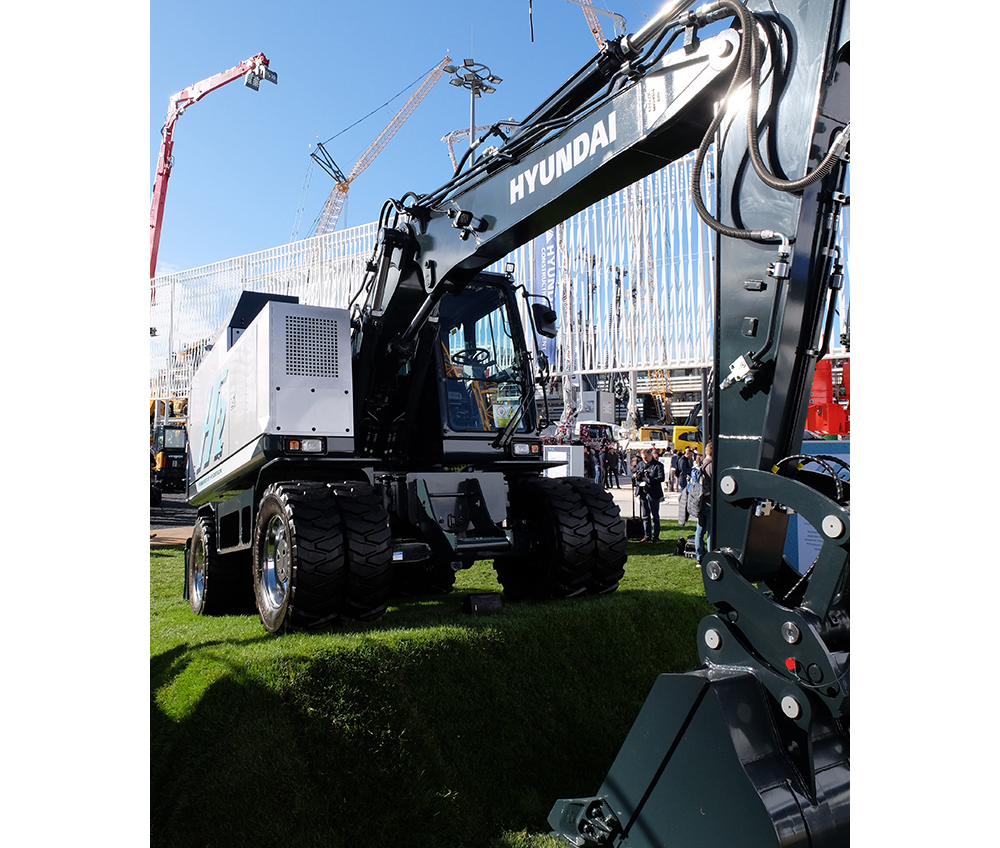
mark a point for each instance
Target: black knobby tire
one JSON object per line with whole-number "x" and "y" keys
{"x": 217, "y": 584}
{"x": 560, "y": 546}
{"x": 368, "y": 551}
{"x": 609, "y": 535}
{"x": 299, "y": 561}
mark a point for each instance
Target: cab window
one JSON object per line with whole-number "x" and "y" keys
{"x": 482, "y": 371}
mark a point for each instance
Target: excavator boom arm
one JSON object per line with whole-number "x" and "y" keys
{"x": 772, "y": 698}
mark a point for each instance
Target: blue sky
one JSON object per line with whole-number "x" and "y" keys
{"x": 241, "y": 158}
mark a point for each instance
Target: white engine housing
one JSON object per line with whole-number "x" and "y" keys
{"x": 288, "y": 374}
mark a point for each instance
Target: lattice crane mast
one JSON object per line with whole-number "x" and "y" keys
{"x": 590, "y": 12}
{"x": 327, "y": 222}
{"x": 253, "y": 70}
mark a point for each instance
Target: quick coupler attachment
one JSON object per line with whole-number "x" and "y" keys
{"x": 585, "y": 822}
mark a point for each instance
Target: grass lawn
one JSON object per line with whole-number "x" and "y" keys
{"x": 429, "y": 728}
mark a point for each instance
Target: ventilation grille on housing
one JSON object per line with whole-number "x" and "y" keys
{"x": 310, "y": 347}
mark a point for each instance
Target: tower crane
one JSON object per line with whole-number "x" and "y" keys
{"x": 589, "y": 11}
{"x": 253, "y": 70}
{"x": 327, "y": 222}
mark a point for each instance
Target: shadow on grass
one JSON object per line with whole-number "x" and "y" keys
{"x": 431, "y": 727}
{"x": 447, "y": 737}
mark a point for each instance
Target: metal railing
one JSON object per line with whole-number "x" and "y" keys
{"x": 632, "y": 274}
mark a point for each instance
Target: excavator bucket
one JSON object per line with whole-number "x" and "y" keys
{"x": 711, "y": 761}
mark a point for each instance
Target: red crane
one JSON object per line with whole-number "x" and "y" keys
{"x": 253, "y": 70}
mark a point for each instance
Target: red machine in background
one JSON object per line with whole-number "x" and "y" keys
{"x": 829, "y": 405}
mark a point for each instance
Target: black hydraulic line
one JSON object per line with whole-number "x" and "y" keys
{"x": 370, "y": 276}
{"x": 587, "y": 87}
{"x": 830, "y": 312}
{"x": 833, "y": 155}
{"x": 750, "y": 64}
{"x": 744, "y": 69}
{"x": 585, "y": 83}
{"x": 823, "y": 461}
{"x": 773, "y": 321}
{"x": 820, "y": 459}
{"x": 527, "y": 138}
{"x": 493, "y": 130}
{"x": 648, "y": 58}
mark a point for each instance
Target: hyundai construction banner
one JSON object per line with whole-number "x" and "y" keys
{"x": 545, "y": 282}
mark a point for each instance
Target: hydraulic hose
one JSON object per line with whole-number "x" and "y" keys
{"x": 833, "y": 155}
{"x": 749, "y": 65}
{"x": 744, "y": 68}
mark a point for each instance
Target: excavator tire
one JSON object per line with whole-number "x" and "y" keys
{"x": 300, "y": 562}
{"x": 217, "y": 584}
{"x": 368, "y": 550}
{"x": 561, "y": 552}
{"x": 609, "y": 535}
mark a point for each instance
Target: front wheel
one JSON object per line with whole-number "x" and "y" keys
{"x": 608, "y": 533}
{"x": 299, "y": 567}
{"x": 554, "y": 532}
{"x": 368, "y": 551}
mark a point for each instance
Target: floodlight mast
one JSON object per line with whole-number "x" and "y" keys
{"x": 253, "y": 70}
{"x": 478, "y": 80}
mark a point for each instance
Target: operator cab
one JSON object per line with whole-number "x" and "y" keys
{"x": 482, "y": 363}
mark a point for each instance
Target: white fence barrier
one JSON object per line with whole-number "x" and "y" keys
{"x": 632, "y": 277}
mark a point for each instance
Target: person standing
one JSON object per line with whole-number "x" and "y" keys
{"x": 650, "y": 477}
{"x": 672, "y": 474}
{"x": 702, "y": 532}
{"x": 684, "y": 465}
{"x": 611, "y": 462}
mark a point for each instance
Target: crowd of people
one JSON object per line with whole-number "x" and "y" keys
{"x": 653, "y": 474}
{"x": 604, "y": 461}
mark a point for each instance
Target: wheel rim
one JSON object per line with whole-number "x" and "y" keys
{"x": 197, "y": 588}
{"x": 277, "y": 563}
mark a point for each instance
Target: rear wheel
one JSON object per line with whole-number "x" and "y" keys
{"x": 553, "y": 529}
{"x": 217, "y": 584}
{"x": 608, "y": 532}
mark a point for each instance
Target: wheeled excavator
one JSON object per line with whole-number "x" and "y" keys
{"x": 336, "y": 449}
